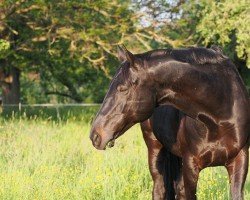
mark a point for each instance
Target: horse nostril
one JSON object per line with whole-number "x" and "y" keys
{"x": 96, "y": 140}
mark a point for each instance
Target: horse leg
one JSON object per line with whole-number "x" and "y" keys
{"x": 154, "y": 149}
{"x": 190, "y": 176}
{"x": 237, "y": 171}
{"x": 159, "y": 190}
{"x": 179, "y": 187}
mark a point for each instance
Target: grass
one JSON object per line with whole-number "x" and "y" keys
{"x": 53, "y": 159}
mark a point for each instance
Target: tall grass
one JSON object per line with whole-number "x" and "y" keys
{"x": 54, "y": 159}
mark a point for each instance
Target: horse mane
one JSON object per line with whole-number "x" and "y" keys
{"x": 192, "y": 55}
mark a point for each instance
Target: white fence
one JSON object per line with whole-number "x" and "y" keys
{"x": 12, "y": 108}
{"x": 51, "y": 105}
{"x": 20, "y": 105}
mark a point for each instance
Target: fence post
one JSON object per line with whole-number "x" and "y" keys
{"x": 19, "y": 106}
{"x": 58, "y": 113}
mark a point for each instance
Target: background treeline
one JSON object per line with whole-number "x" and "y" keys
{"x": 65, "y": 51}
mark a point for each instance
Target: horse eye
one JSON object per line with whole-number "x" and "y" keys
{"x": 122, "y": 88}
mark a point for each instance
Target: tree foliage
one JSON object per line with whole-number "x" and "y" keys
{"x": 227, "y": 23}
{"x": 4, "y": 48}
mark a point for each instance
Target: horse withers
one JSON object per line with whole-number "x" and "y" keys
{"x": 200, "y": 82}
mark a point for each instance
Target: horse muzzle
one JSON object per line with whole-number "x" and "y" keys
{"x": 101, "y": 142}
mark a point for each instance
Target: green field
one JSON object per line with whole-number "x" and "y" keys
{"x": 44, "y": 158}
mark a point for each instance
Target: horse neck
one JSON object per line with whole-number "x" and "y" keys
{"x": 191, "y": 89}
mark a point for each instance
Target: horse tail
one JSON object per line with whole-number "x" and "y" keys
{"x": 170, "y": 167}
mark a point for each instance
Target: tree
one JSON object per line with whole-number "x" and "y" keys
{"x": 226, "y": 23}
{"x": 14, "y": 32}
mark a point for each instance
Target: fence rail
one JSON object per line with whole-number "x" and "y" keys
{"x": 52, "y": 105}
{"x": 81, "y": 111}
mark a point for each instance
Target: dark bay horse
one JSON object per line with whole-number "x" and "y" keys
{"x": 200, "y": 82}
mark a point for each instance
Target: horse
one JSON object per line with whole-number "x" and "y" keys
{"x": 203, "y": 84}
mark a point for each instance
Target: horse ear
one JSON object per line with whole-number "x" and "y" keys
{"x": 124, "y": 54}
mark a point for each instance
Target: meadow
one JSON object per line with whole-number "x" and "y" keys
{"x": 48, "y": 155}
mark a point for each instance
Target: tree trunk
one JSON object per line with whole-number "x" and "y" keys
{"x": 11, "y": 93}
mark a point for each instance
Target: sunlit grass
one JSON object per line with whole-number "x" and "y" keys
{"x": 43, "y": 159}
